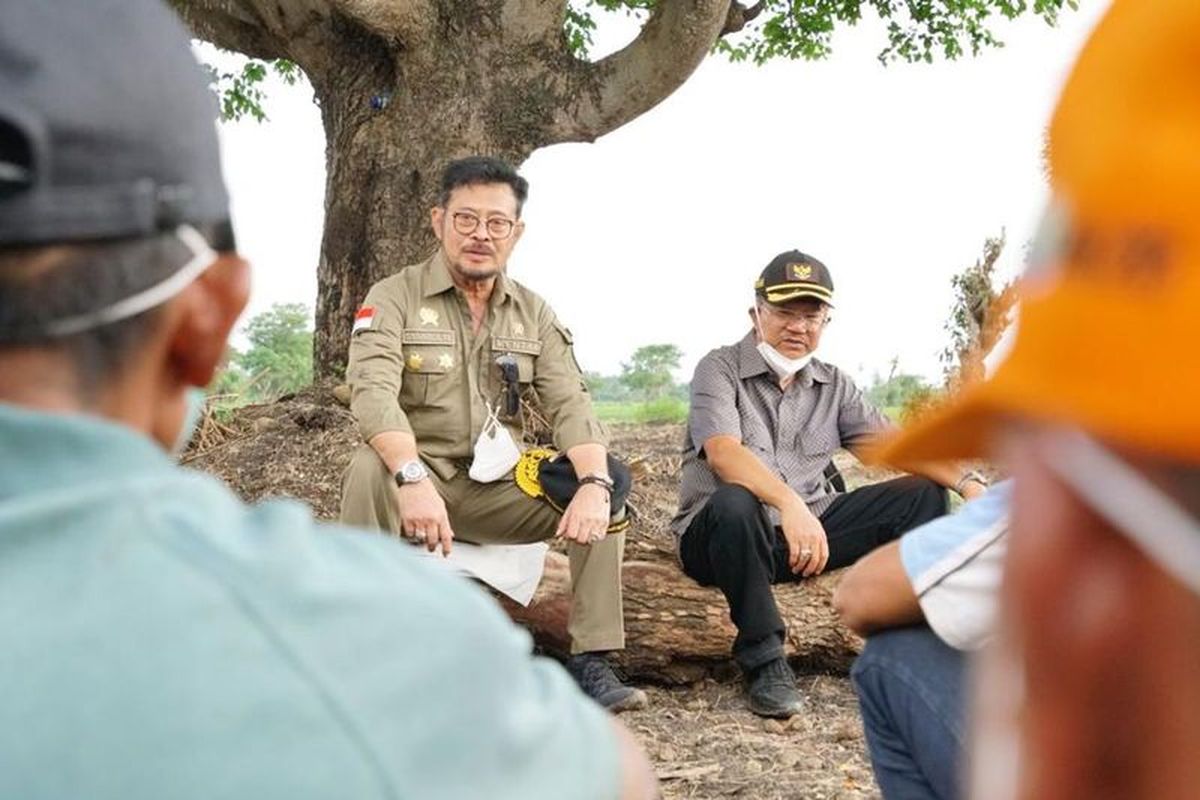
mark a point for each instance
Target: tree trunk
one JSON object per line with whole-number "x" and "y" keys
{"x": 386, "y": 144}
{"x": 678, "y": 631}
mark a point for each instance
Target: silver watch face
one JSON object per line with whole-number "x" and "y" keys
{"x": 413, "y": 471}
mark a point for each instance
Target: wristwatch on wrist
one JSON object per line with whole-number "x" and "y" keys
{"x": 970, "y": 476}
{"x": 411, "y": 472}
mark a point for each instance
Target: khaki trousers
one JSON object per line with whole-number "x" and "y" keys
{"x": 500, "y": 513}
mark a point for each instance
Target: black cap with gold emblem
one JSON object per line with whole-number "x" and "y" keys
{"x": 794, "y": 275}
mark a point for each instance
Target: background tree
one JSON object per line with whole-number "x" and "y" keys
{"x": 896, "y": 390}
{"x": 648, "y": 373}
{"x": 406, "y": 85}
{"x": 278, "y": 360}
{"x": 606, "y": 388}
{"x": 977, "y": 318}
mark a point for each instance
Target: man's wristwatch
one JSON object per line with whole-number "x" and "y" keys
{"x": 970, "y": 476}
{"x": 411, "y": 472}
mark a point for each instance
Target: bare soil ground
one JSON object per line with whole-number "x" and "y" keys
{"x": 703, "y": 742}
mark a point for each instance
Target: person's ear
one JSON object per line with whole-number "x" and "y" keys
{"x": 209, "y": 308}
{"x": 518, "y": 229}
{"x": 437, "y": 216}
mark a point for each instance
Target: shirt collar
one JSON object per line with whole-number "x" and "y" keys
{"x": 751, "y": 364}
{"x": 750, "y": 361}
{"x": 438, "y": 280}
{"x": 44, "y": 450}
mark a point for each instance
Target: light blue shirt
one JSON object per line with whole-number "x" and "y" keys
{"x": 159, "y": 638}
{"x": 955, "y": 565}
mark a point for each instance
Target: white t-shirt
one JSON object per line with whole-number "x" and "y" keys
{"x": 955, "y": 564}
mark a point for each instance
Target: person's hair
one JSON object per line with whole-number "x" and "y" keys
{"x": 476, "y": 170}
{"x": 40, "y": 284}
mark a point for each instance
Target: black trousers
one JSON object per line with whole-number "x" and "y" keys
{"x": 731, "y": 544}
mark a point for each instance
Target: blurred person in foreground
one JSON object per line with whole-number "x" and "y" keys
{"x": 1091, "y": 690}
{"x": 926, "y": 602}
{"x": 759, "y": 500}
{"x": 159, "y": 638}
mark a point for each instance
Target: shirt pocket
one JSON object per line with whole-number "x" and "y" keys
{"x": 525, "y": 351}
{"x": 430, "y": 366}
{"x": 818, "y": 441}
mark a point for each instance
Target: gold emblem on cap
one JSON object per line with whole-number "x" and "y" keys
{"x": 428, "y": 316}
{"x": 445, "y": 361}
{"x": 801, "y": 272}
{"x": 518, "y": 329}
{"x": 415, "y": 361}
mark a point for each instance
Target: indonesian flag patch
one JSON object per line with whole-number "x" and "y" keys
{"x": 364, "y": 319}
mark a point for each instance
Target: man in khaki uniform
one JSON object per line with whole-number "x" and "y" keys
{"x": 423, "y": 374}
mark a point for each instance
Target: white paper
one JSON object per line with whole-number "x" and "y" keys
{"x": 512, "y": 569}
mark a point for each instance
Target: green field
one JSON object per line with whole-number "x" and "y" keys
{"x": 668, "y": 409}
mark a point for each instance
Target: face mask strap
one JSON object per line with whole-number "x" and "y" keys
{"x": 492, "y": 423}
{"x": 1162, "y": 530}
{"x": 202, "y": 258}
{"x": 758, "y": 320}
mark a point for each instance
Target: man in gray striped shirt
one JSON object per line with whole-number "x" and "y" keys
{"x": 756, "y": 503}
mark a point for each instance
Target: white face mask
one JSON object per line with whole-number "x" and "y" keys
{"x": 495, "y": 451}
{"x": 780, "y": 364}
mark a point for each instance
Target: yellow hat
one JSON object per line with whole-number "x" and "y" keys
{"x": 1109, "y": 337}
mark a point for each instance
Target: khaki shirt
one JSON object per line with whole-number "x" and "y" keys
{"x": 416, "y": 367}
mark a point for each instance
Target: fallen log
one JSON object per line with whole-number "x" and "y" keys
{"x": 678, "y": 631}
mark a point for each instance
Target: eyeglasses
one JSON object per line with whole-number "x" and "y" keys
{"x": 809, "y": 319}
{"x": 466, "y": 223}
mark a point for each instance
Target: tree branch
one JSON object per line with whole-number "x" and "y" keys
{"x": 739, "y": 15}
{"x": 408, "y": 21}
{"x": 628, "y": 83}
{"x": 257, "y": 28}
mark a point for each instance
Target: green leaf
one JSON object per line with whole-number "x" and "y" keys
{"x": 240, "y": 93}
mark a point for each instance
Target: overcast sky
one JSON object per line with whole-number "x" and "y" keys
{"x": 893, "y": 176}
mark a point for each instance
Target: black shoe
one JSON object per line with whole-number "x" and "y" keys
{"x": 771, "y": 691}
{"x": 595, "y": 676}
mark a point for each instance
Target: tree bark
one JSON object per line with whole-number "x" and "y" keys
{"x": 678, "y": 631}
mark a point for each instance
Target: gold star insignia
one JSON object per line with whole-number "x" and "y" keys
{"x": 518, "y": 329}
{"x": 445, "y": 361}
{"x": 415, "y": 361}
{"x": 428, "y": 316}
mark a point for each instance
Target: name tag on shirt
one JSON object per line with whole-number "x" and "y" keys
{"x": 512, "y": 344}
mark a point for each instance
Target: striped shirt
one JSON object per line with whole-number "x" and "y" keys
{"x": 794, "y": 432}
